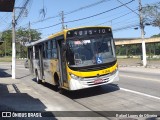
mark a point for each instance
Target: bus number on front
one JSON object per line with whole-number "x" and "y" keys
{"x": 89, "y": 32}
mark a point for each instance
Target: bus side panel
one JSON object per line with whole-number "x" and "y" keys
{"x": 51, "y": 67}
{"x": 47, "y": 73}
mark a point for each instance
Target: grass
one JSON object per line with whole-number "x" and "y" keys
{"x": 5, "y": 59}
{"x": 9, "y": 59}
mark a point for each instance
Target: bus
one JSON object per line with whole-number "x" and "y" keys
{"x": 75, "y": 58}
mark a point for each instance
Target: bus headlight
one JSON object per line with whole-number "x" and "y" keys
{"x": 75, "y": 77}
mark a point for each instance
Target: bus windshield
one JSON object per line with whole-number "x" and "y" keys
{"x": 91, "y": 51}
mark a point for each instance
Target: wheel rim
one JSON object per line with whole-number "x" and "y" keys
{"x": 37, "y": 78}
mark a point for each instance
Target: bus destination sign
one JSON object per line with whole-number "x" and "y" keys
{"x": 88, "y": 31}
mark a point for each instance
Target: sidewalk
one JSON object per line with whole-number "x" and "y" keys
{"x": 13, "y": 96}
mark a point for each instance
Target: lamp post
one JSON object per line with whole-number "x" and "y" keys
{"x": 13, "y": 47}
{"x": 14, "y": 43}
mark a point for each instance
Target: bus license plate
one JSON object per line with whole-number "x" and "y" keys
{"x": 98, "y": 81}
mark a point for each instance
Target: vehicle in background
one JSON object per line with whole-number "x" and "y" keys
{"x": 26, "y": 64}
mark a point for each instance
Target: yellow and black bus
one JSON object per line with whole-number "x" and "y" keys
{"x": 75, "y": 58}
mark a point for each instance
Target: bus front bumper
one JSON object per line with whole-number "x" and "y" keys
{"x": 92, "y": 82}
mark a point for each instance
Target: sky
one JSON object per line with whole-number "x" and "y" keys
{"x": 45, "y": 13}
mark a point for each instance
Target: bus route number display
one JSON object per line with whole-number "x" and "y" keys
{"x": 88, "y": 31}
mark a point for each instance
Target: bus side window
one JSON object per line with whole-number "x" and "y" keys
{"x": 49, "y": 50}
{"x": 45, "y": 50}
{"x": 54, "y": 49}
{"x": 36, "y": 52}
{"x": 46, "y": 54}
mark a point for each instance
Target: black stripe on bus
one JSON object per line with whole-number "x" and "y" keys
{"x": 94, "y": 67}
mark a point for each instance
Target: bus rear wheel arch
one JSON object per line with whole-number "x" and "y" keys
{"x": 57, "y": 83}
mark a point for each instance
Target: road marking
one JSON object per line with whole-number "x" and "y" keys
{"x": 139, "y": 93}
{"x": 136, "y": 92}
{"x": 11, "y": 89}
{"x": 140, "y": 78}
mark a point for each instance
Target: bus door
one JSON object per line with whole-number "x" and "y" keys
{"x": 62, "y": 63}
{"x": 30, "y": 60}
{"x": 40, "y": 52}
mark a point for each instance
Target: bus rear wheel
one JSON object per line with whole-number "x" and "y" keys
{"x": 60, "y": 90}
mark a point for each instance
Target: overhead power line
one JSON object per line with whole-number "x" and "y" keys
{"x": 22, "y": 10}
{"x": 73, "y": 11}
{"x": 128, "y": 7}
{"x": 126, "y": 27}
{"x": 88, "y": 6}
{"x": 120, "y": 22}
{"x": 88, "y": 16}
{"x": 25, "y": 3}
{"x": 116, "y": 18}
{"x": 120, "y": 13}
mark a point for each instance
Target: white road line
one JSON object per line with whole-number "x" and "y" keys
{"x": 139, "y": 93}
{"x": 23, "y": 68}
{"x": 151, "y": 79}
{"x": 11, "y": 89}
{"x": 136, "y": 92}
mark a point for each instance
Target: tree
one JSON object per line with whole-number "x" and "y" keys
{"x": 158, "y": 35}
{"x": 22, "y": 35}
{"x": 151, "y": 14}
{"x": 6, "y": 47}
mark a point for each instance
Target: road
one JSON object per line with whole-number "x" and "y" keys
{"x": 142, "y": 80}
{"x": 137, "y": 90}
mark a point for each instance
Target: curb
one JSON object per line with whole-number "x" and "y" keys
{"x": 148, "y": 66}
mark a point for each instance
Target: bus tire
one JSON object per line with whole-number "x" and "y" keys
{"x": 56, "y": 79}
{"x": 60, "y": 90}
{"x": 37, "y": 78}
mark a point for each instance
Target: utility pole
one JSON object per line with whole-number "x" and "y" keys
{"x": 5, "y": 47}
{"x": 62, "y": 20}
{"x": 30, "y": 37}
{"x": 13, "y": 46}
{"x": 142, "y": 35}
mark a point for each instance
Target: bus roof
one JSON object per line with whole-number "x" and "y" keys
{"x": 61, "y": 33}
{"x": 88, "y": 27}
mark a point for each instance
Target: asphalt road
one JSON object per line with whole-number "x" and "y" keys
{"x": 137, "y": 90}
{"x": 143, "y": 80}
